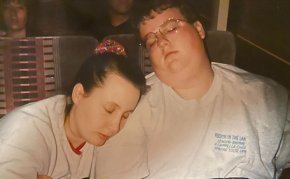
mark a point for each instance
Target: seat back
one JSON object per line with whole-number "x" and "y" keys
{"x": 221, "y": 46}
{"x": 130, "y": 42}
{"x": 137, "y": 54}
{"x": 35, "y": 68}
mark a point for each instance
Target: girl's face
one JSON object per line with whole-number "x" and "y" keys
{"x": 103, "y": 112}
{"x": 15, "y": 16}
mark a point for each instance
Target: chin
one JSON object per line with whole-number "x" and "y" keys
{"x": 97, "y": 142}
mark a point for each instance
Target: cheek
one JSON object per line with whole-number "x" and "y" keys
{"x": 99, "y": 119}
{"x": 22, "y": 15}
{"x": 156, "y": 58}
{"x": 86, "y": 114}
{"x": 195, "y": 40}
{"x": 92, "y": 122}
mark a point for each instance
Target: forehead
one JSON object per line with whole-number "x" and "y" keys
{"x": 119, "y": 90}
{"x": 116, "y": 82}
{"x": 156, "y": 19}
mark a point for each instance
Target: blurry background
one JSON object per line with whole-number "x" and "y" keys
{"x": 261, "y": 27}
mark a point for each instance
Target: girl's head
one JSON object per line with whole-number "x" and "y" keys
{"x": 106, "y": 90}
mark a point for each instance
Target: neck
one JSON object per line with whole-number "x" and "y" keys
{"x": 194, "y": 87}
{"x": 71, "y": 132}
{"x": 117, "y": 19}
{"x": 17, "y": 33}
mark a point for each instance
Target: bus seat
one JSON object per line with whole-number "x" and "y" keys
{"x": 221, "y": 46}
{"x": 35, "y": 68}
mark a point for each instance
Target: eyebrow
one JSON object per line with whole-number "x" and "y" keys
{"x": 168, "y": 19}
{"x": 131, "y": 110}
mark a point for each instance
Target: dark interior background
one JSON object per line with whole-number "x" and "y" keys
{"x": 261, "y": 28}
{"x": 262, "y": 33}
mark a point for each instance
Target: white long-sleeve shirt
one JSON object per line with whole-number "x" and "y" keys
{"x": 33, "y": 141}
{"x": 235, "y": 130}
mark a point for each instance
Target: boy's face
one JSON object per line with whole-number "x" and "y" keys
{"x": 15, "y": 15}
{"x": 175, "y": 46}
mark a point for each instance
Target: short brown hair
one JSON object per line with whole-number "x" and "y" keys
{"x": 142, "y": 9}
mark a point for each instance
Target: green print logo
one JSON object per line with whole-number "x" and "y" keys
{"x": 230, "y": 143}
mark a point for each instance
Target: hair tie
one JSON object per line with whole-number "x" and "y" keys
{"x": 112, "y": 46}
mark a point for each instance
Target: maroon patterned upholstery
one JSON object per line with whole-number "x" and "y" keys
{"x": 36, "y": 68}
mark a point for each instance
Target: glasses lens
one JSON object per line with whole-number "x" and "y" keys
{"x": 169, "y": 26}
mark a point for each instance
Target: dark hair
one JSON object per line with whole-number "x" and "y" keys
{"x": 93, "y": 71}
{"x": 142, "y": 9}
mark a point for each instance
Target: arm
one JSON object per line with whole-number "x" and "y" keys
{"x": 22, "y": 147}
{"x": 283, "y": 157}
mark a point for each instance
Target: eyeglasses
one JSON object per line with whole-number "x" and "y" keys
{"x": 167, "y": 27}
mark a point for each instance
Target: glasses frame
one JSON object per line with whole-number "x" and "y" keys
{"x": 162, "y": 33}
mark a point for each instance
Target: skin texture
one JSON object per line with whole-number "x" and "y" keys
{"x": 15, "y": 18}
{"x": 179, "y": 58}
{"x": 100, "y": 114}
{"x": 43, "y": 177}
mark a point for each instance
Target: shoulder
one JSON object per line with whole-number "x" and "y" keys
{"x": 34, "y": 118}
{"x": 32, "y": 125}
{"x": 262, "y": 97}
{"x": 248, "y": 83}
{"x": 151, "y": 78}
{"x": 156, "y": 90}
{"x": 42, "y": 110}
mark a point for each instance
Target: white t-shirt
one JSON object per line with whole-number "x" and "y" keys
{"x": 235, "y": 130}
{"x": 33, "y": 141}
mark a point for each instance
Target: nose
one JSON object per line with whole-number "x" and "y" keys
{"x": 115, "y": 125}
{"x": 162, "y": 40}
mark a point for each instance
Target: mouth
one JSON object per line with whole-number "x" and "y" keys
{"x": 103, "y": 136}
{"x": 169, "y": 54}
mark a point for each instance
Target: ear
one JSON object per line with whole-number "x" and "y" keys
{"x": 199, "y": 28}
{"x": 78, "y": 93}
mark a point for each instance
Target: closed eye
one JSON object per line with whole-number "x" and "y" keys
{"x": 109, "y": 110}
{"x": 171, "y": 29}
